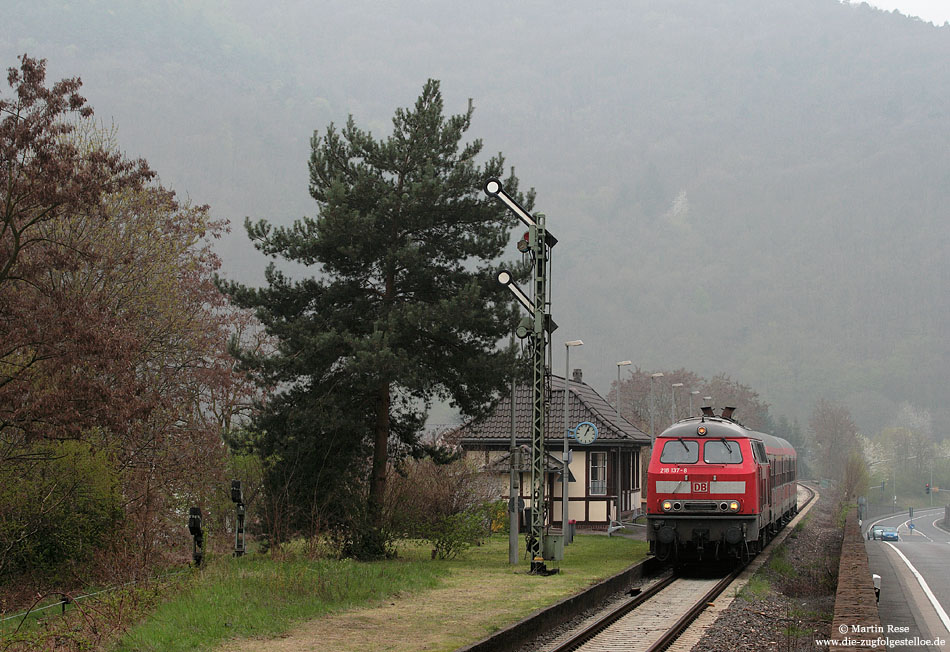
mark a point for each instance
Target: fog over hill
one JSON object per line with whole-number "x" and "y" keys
{"x": 755, "y": 188}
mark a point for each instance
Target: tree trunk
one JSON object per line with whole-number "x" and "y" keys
{"x": 377, "y": 487}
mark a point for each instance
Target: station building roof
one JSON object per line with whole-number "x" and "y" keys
{"x": 585, "y": 404}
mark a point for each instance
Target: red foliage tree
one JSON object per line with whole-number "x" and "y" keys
{"x": 47, "y": 175}
{"x": 113, "y": 331}
{"x": 635, "y": 397}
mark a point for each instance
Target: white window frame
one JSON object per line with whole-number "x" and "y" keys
{"x": 600, "y": 489}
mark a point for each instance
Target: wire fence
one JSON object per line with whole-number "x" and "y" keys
{"x": 67, "y": 599}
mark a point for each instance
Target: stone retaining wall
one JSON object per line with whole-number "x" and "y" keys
{"x": 855, "y": 602}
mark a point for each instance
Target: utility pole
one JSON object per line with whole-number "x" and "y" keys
{"x": 566, "y": 471}
{"x": 514, "y": 479}
{"x": 653, "y": 377}
{"x": 537, "y": 327}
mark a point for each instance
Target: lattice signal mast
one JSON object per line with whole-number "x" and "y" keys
{"x": 537, "y": 328}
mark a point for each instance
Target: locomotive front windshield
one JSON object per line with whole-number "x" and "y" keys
{"x": 680, "y": 451}
{"x": 722, "y": 452}
{"x": 715, "y": 451}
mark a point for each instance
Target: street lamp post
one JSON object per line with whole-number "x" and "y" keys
{"x": 624, "y": 363}
{"x": 691, "y": 394}
{"x": 653, "y": 377}
{"x": 673, "y": 401}
{"x": 893, "y": 473}
{"x": 565, "y": 489}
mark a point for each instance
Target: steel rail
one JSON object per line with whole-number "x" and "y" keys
{"x": 686, "y": 619}
{"x": 613, "y": 616}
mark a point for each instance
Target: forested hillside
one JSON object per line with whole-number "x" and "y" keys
{"x": 750, "y": 188}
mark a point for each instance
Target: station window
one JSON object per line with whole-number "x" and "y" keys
{"x": 598, "y": 474}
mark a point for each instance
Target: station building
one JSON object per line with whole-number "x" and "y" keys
{"x": 605, "y": 476}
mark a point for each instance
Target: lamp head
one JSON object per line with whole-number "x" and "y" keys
{"x": 194, "y": 521}
{"x": 237, "y": 496}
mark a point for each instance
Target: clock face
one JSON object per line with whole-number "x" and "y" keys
{"x": 585, "y": 433}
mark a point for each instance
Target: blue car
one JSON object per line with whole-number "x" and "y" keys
{"x": 889, "y": 534}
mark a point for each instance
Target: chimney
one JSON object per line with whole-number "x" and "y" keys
{"x": 578, "y": 376}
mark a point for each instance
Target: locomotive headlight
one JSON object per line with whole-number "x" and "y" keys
{"x": 667, "y": 505}
{"x": 734, "y": 506}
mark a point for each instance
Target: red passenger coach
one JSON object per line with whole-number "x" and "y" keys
{"x": 717, "y": 489}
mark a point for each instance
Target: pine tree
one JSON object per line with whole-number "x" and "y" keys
{"x": 404, "y": 309}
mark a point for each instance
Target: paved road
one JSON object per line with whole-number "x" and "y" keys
{"x": 910, "y": 605}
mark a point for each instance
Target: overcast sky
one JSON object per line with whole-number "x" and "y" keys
{"x": 934, "y": 11}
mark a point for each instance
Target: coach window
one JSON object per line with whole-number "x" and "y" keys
{"x": 598, "y": 474}
{"x": 680, "y": 451}
{"x": 722, "y": 452}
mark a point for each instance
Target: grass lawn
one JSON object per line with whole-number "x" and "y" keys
{"x": 410, "y": 603}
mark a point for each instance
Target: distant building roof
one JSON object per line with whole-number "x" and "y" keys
{"x": 585, "y": 405}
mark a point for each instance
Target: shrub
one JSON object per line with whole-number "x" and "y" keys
{"x": 452, "y": 534}
{"x": 452, "y": 506}
{"x": 496, "y": 512}
{"x": 58, "y": 506}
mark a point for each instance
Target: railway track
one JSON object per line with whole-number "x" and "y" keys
{"x": 643, "y": 623}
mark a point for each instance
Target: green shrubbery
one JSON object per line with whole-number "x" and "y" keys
{"x": 451, "y": 506}
{"x": 452, "y": 534}
{"x": 59, "y": 503}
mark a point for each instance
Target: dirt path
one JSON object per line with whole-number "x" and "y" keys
{"x": 467, "y": 608}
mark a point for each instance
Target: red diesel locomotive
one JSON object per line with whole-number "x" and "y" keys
{"x": 717, "y": 489}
